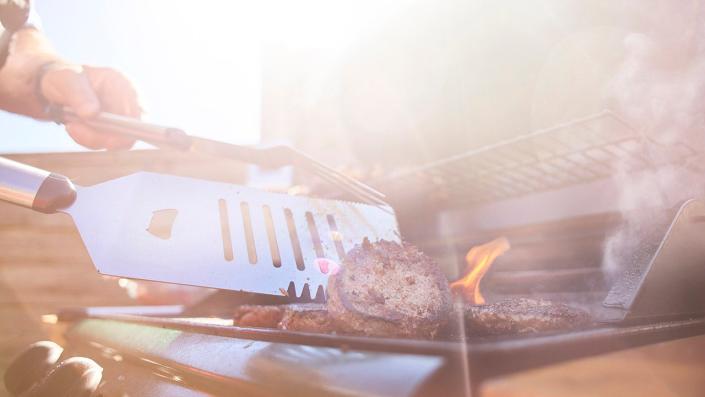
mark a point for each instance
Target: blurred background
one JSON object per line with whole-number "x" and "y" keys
{"x": 356, "y": 81}
{"x": 346, "y": 75}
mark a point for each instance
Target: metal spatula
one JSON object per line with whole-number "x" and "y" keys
{"x": 188, "y": 231}
{"x": 168, "y": 137}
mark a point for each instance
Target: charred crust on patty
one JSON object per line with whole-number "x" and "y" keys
{"x": 305, "y": 317}
{"x": 522, "y": 316}
{"x": 310, "y": 317}
{"x": 263, "y": 316}
{"x": 389, "y": 289}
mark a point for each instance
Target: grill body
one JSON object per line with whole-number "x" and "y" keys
{"x": 553, "y": 193}
{"x": 159, "y": 356}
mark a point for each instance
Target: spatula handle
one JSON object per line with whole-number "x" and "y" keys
{"x": 34, "y": 188}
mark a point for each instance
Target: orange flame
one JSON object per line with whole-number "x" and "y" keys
{"x": 479, "y": 260}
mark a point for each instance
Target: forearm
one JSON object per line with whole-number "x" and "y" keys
{"x": 28, "y": 51}
{"x": 34, "y": 75}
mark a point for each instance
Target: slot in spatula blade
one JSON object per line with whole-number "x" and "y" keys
{"x": 188, "y": 231}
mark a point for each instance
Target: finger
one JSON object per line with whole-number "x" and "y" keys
{"x": 69, "y": 87}
{"x": 118, "y": 142}
{"x": 92, "y": 139}
{"x": 130, "y": 105}
{"x": 116, "y": 93}
{"x": 86, "y": 136}
{"x": 124, "y": 96}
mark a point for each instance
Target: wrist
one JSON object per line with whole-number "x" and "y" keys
{"x": 28, "y": 52}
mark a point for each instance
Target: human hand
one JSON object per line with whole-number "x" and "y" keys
{"x": 34, "y": 75}
{"x": 88, "y": 90}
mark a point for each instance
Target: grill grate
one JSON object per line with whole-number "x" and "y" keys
{"x": 577, "y": 152}
{"x": 487, "y": 357}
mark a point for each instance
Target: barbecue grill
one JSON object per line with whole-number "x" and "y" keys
{"x": 557, "y": 253}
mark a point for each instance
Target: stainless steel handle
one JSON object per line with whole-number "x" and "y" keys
{"x": 34, "y": 188}
{"x": 157, "y": 135}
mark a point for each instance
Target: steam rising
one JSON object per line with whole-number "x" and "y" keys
{"x": 660, "y": 90}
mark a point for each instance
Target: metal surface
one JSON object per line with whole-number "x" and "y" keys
{"x": 668, "y": 283}
{"x": 581, "y": 151}
{"x": 227, "y": 366}
{"x": 266, "y": 156}
{"x": 228, "y": 355}
{"x": 220, "y": 235}
{"x": 658, "y": 273}
{"x": 19, "y": 183}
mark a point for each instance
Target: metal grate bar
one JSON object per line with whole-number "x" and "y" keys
{"x": 577, "y": 152}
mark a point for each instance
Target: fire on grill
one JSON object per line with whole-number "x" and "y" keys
{"x": 479, "y": 259}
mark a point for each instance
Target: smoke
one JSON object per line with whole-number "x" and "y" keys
{"x": 660, "y": 91}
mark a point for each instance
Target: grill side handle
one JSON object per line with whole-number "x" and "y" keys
{"x": 34, "y": 188}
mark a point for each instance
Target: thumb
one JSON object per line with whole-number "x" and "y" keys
{"x": 66, "y": 85}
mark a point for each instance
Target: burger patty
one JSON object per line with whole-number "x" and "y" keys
{"x": 262, "y": 316}
{"x": 306, "y": 318}
{"x": 389, "y": 289}
{"x": 392, "y": 290}
{"x": 507, "y": 317}
{"x": 521, "y": 316}
{"x": 309, "y": 317}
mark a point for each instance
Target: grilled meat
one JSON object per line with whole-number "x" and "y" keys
{"x": 263, "y": 316}
{"x": 306, "y": 318}
{"x": 296, "y": 317}
{"x": 388, "y": 289}
{"x": 392, "y": 290}
{"x": 521, "y": 316}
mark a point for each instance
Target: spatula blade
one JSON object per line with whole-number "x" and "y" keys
{"x": 219, "y": 235}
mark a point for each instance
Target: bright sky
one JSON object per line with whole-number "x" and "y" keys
{"x": 197, "y": 68}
